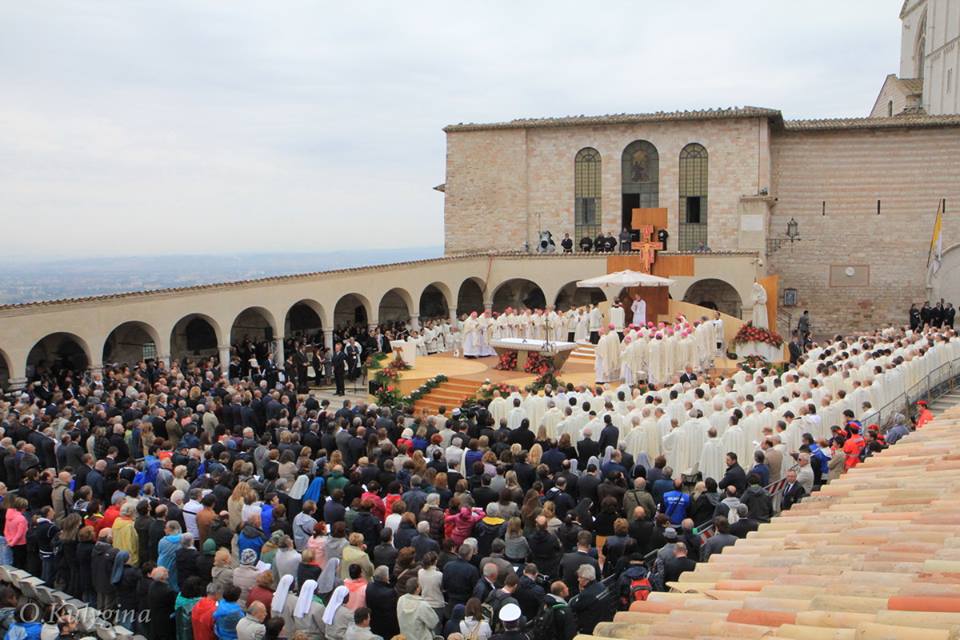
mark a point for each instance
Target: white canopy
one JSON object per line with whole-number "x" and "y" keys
{"x": 612, "y": 283}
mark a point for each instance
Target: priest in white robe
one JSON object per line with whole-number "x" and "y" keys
{"x": 735, "y": 440}
{"x": 617, "y": 317}
{"x": 471, "y": 337}
{"x": 639, "y": 309}
{"x": 551, "y": 419}
{"x": 516, "y": 415}
{"x": 595, "y": 323}
{"x": 713, "y": 457}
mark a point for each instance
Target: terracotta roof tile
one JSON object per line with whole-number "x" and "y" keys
{"x": 905, "y": 120}
{"x": 315, "y": 274}
{"x": 622, "y": 118}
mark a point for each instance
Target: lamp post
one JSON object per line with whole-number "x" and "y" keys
{"x": 793, "y": 235}
{"x": 793, "y": 230}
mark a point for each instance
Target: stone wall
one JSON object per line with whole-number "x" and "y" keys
{"x": 908, "y": 170}
{"x": 499, "y": 180}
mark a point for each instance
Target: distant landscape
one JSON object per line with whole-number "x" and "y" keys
{"x": 30, "y": 281}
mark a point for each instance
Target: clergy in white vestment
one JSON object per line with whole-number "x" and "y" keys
{"x": 639, "y": 309}
{"x": 581, "y": 332}
{"x": 617, "y": 316}
{"x": 670, "y": 447}
{"x": 535, "y": 405}
{"x": 516, "y": 415}
{"x": 595, "y": 323}
{"x": 607, "y": 358}
{"x": 713, "y": 457}
{"x": 498, "y": 408}
{"x": 486, "y": 323}
{"x": 551, "y": 419}
{"x": 759, "y": 299}
{"x": 539, "y": 324}
{"x": 471, "y": 336}
{"x": 655, "y": 372}
{"x": 626, "y": 361}
{"x": 688, "y": 446}
{"x": 735, "y": 440}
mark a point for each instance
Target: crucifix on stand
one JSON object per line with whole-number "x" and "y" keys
{"x": 647, "y": 247}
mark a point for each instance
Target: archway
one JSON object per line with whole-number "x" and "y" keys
{"x": 304, "y": 320}
{"x": 434, "y": 302}
{"x": 395, "y": 306}
{"x": 57, "y": 354}
{"x": 254, "y": 324}
{"x": 715, "y": 294}
{"x": 4, "y": 372}
{"x": 130, "y": 343}
{"x": 470, "y": 297}
{"x": 351, "y": 309}
{"x": 194, "y": 335}
{"x": 519, "y": 293}
{"x": 573, "y": 296}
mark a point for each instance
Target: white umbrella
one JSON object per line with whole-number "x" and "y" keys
{"x": 613, "y": 283}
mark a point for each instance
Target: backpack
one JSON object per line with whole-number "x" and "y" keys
{"x": 656, "y": 577}
{"x": 544, "y": 626}
{"x": 634, "y": 584}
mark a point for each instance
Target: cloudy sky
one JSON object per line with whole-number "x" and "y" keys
{"x": 200, "y": 126}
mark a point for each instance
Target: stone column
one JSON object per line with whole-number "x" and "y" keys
{"x": 488, "y": 306}
{"x": 224, "y": 351}
{"x": 328, "y": 339}
{"x": 278, "y": 350}
{"x": 453, "y": 315}
{"x": 415, "y": 322}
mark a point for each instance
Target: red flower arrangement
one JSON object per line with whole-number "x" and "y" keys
{"x": 750, "y": 333}
{"x": 539, "y": 364}
{"x": 507, "y": 361}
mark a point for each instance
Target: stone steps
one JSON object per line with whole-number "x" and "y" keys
{"x": 449, "y": 394}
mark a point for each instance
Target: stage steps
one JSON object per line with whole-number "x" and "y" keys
{"x": 583, "y": 354}
{"x": 450, "y": 394}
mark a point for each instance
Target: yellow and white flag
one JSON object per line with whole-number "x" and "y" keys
{"x": 935, "y": 256}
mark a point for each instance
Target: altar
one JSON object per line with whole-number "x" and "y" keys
{"x": 765, "y": 350}
{"x": 406, "y": 349}
{"x": 523, "y": 347}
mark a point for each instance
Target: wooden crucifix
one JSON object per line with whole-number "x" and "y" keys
{"x": 648, "y": 247}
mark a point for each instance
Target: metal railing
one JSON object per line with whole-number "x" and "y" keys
{"x": 938, "y": 382}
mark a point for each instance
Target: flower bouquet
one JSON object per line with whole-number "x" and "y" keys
{"x": 750, "y": 333}
{"x": 507, "y": 361}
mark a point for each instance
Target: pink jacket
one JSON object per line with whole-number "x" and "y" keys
{"x": 15, "y": 528}
{"x": 462, "y": 523}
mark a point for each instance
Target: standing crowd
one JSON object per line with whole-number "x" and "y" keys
{"x": 194, "y": 502}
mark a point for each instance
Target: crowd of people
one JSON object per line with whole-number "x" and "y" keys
{"x": 191, "y": 501}
{"x": 942, "y": 314}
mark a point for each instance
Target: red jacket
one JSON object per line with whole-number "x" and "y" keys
{"x": 924, "y": 417}
{"x": 201, "y": 617}
{"x": 852, "y": 447}
{"x": 461, "y": 524}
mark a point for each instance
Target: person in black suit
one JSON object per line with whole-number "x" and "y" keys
{"x": 688, "y": 375}
{"x": 587, "y": 448}
{"x": 792, "y": 491}
{"x": 609, "y": 435}
{"x": 796, "y": 348}
{"x": 339, "y": 368}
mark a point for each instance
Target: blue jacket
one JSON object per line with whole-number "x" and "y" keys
{"x": 225, "y": 619}
{"x": 675, "y": 504}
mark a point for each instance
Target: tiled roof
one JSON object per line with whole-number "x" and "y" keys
{"x": 622, "y": 118}
{"x": 870, "y": 555}
{"x": 315, "y": 274}
{"x": 905, "y": 120}
{"x": 912, "y": 86}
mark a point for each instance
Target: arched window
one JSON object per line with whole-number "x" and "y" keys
{"x": 693, "y": 198}
{"x": 640, "y": 179}
{"x": 586, "y": 190}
